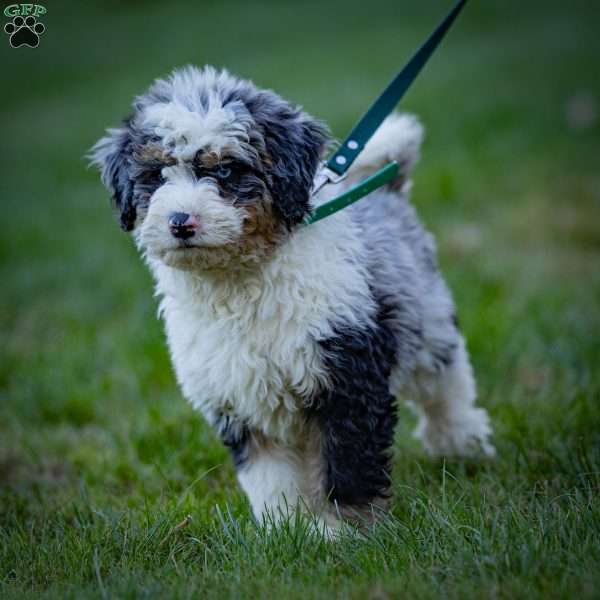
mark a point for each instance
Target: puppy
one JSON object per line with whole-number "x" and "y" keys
{"x": 292, "y": 340}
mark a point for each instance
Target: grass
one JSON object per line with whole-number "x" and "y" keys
{"x": 101, "y": 460}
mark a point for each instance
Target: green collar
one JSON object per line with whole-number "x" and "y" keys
{"x": 336, "y": 167}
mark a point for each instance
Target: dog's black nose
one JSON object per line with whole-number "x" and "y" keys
{"x": 182, "y": 225}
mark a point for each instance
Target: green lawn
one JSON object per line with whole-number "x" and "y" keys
{"x": 100, "y": 457}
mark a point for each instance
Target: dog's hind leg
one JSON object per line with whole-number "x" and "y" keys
{"x": 450, "y": 424}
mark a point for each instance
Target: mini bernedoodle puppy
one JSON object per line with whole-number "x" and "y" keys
{"x": 292, "y": 340}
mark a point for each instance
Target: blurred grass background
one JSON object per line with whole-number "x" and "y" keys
{"x": 100, "y": 457}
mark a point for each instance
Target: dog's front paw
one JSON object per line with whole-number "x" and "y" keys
{"x": 465, "y": 435}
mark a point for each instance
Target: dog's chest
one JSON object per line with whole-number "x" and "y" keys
{"x": 251, "y": 348}
{"x": 253, "y": 355}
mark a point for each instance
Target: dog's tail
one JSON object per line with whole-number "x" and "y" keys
{"x": 398, "y": 138}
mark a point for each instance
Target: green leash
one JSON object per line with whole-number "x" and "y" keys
{"x": 335, "y": 169}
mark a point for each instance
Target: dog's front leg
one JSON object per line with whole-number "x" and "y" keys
{"x": 270, "y": 475}
{"x": 279, "y": 479}
{"x": 356, "y": 418}
{"x": 357, "y": 437}
{"x": 269, "y": 472}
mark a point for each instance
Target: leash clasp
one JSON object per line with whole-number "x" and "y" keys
{"x": 324, "y": 177}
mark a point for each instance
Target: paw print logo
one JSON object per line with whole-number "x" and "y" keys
{"x": 24, "y": 31}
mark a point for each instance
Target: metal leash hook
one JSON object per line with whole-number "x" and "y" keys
{"x": 325, "y": 176}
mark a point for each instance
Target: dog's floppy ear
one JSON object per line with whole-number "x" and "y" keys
{"x": 294, "y": 142}
{"x": 111, "y": 155}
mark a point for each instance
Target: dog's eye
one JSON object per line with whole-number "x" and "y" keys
{"x": 223, "y": 172}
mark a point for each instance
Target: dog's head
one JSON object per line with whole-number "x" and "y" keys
{"x": 210, "y": 169}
